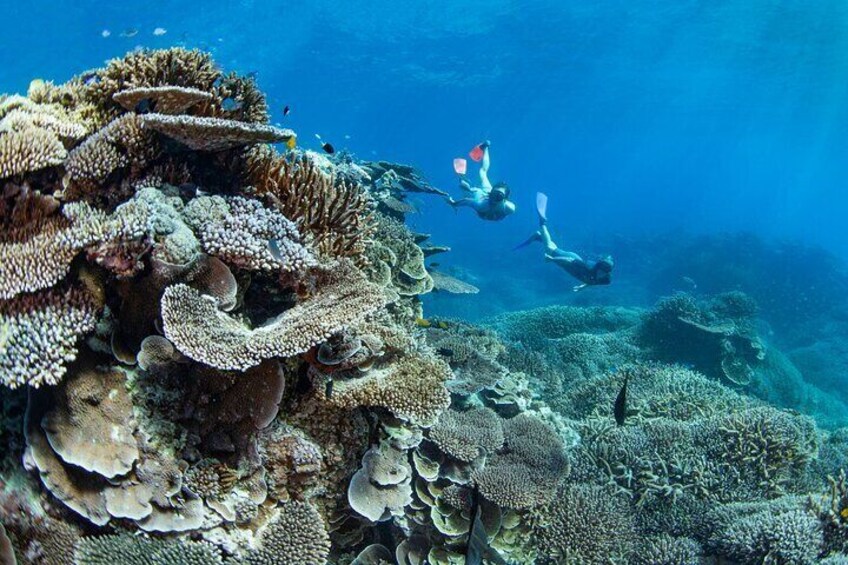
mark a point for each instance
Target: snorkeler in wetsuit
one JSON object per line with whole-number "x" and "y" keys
{"x": 490, "y": 202}
{"x": 589, "y": 273}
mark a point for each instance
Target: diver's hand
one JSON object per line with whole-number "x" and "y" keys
{"x": 486, "y": 144}
{"x": 579, "y": 287}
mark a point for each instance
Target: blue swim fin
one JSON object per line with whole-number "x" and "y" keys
{"x": 542, "y": 207}
{"x": 535, "y": 237}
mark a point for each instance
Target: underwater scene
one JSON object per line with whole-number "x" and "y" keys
{"x": 424, "y": 283}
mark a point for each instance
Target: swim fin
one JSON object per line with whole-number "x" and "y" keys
{"x": 542, "y": 207}
{"x": 535, "y": 237}
{"x": 476, "y": 153}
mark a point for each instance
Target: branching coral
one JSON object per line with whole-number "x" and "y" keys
{"x": 240, "y": 232}
{"x": 199, "y": 330}
{"x": 526, "y": 471}
{"x": 412, "y": 388}
{"x": 29, "y": 149}
{"x": 467, "y": 435}
{"x": 142, "y": 550}
{"x": 39, "y": 334}
{"x": 336, "y": 215}
{"x": 585, "y": 524}
{"x": 296, "y": 536}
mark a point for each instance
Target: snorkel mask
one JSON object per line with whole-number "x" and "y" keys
{"x": 500, "y": 192}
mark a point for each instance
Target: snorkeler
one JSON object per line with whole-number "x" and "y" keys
{"x": 490, "y": 202}
{"x": 589, "y": 273}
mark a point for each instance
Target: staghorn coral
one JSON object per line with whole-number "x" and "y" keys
{"x": 335, "y": 215}
{"x": 29, "y": 149}
{"x": 668, "y": 550}
{"x": 296, "y": 536}
{"x": 467, "y": 435}
{"x": 585, "y": 524}
{"x": 39, "y": 334}
{"x": 777, "y": 532}
{"x": 143, "y": 550}
{"x": 213, "y": 134}
{"x": 199, "y": 330}
{"x": 238, "y": 231}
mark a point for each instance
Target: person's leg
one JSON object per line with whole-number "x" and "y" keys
{"x": 550, "y": 246}
{"x": 484, "y": 169}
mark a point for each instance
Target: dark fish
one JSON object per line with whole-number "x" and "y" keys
{"x": 328, "y": 391}
{"x": 90, "y": 78}
{"x": 328, "y": 148}
{"x": 620, "y": 407}
{"x": 286, "y": 111}
{"x": 145, "y": 106}
{"x": 231, "y": 104}
{"x": 445, "y": 351}
{"x": 433, "y": 265}
{"x": 274, "y": 248}
{"x": 478, "y": 541}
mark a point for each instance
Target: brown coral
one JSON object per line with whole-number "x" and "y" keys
{"x": 336, "y": 215}
{"x": 201, "y": 331}
{"x": 29, "y": 149}
{"x": 412, "y": 388}
{"x": 296, "y": 536}
{"x": 122, "y": 143}
{"x": 240, "y": 232}
{"x": 214, "y": 134}
{"x": 467, "y": 435}
{"x": 39, "y": 333}
{"x": 164, "y": 99}
{"x": 91, "y": 423}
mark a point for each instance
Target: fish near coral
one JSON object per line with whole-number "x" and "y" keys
{"x": 620, "y": 406}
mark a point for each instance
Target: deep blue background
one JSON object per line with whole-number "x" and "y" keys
{"x": 635, "y": 116}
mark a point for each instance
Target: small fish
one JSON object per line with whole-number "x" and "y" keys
{"x": 327, "y": 147}
{"x": 132, "y": 32}
{"x": 292, "y": 142}
{"x": 145, "y": 106}
{"x": 328, "y": 391}
{"x": 159, "y": 31}
{"x": 445, "y": 351}
{"x": 286, "y": 111}
{"x": 434, "y": 265}
{"x": 230, "y": 104}
{"x": 347, "y": 136}
{"x": 274, "y": 249}
{"x": 105, "y": 33}
{"x": 443, "y": 325}
{"x": 90, "y": 78}
{"x": 422, "y": 323}
{"x": 620, "y": 406}
{"x": 478, "y": 546}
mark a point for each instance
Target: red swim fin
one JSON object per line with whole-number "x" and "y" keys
{"x": 476, "y": 154}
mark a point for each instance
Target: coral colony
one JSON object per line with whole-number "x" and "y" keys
{"x": 214, "y": 351}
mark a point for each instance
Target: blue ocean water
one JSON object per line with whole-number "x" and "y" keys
{"x": 637, "y": 118}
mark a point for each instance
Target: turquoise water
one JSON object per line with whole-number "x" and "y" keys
{"x": 700, "y": 144}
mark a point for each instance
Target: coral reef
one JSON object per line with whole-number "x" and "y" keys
{"x": 214, "y": 351}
